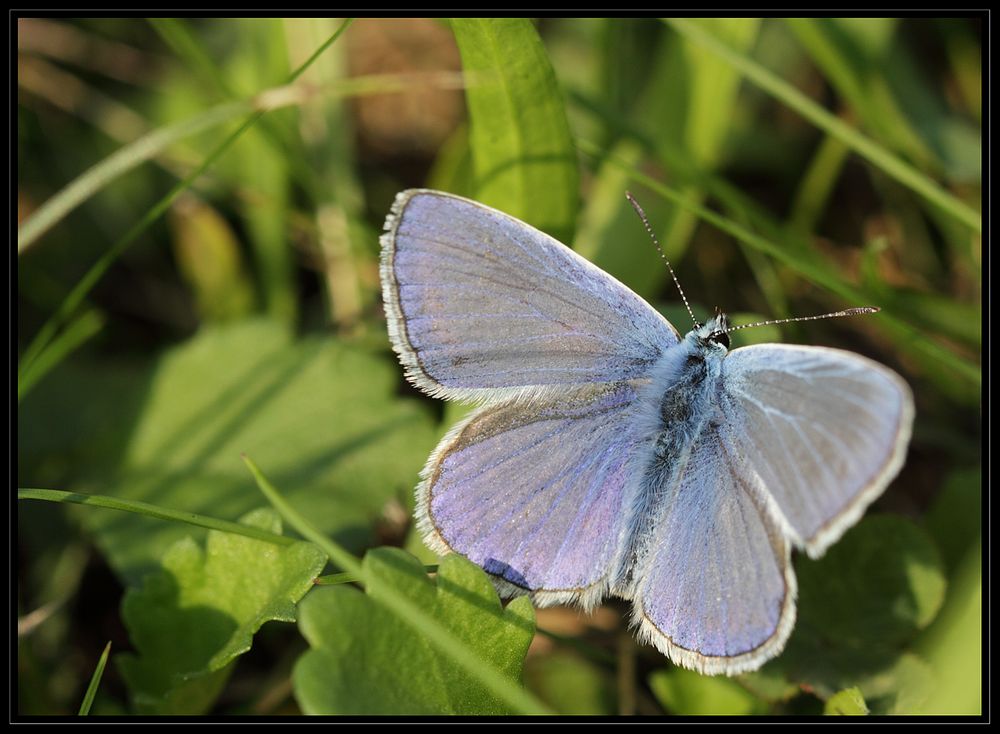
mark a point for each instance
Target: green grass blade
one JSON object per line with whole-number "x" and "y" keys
{"x": 817, "y": 184}
{"x": 335, "y": 579}
{"x": 160, "y": 513}
{"x": 410, "y": 614}
{"x": 76, "y": 333}
{"x": 267, "y": 155}
{"x": 95, "y": 681}
{"x": 860, "y": 144}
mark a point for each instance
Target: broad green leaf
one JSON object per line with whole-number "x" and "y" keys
{"x": 522, "y": 152}
{"x": 956, "y": 516}
{"x": 363, "y": 662}
{"x": 954, "y": 643}
{"x": 878, "y": 586}
{"x": 902, "y": 689}
{"x": 321, "y": 414}
{"x": 686, "y": 693}
{"x": 571, "y": 685}
{"x": 192, "y": 618}
{"x": 848, "y": 702}
{"x": 858, "y": 606}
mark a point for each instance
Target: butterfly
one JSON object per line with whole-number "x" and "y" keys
{"x": 609, "y": 455}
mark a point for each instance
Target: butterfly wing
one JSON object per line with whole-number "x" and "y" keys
{"x": 716, "y": 591}
{"x": 482, "y": 306}
{"x": 821, "y": 431}
{"x": 536, "y": 493}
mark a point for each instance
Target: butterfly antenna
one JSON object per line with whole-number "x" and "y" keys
{"x": 835, "y": 314}
{"x": 645, "y": 222}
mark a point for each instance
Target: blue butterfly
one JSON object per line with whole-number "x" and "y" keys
{"x": 611, "y": 456}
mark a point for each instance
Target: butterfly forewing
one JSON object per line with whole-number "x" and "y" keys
{"x": 821, "y": 431}
{"x": 481, "y": 306}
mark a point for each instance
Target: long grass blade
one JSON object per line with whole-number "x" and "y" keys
{"x": 75, "y": 334}
{"x": 160, "y": 513}
{"x": 95, "y": 681}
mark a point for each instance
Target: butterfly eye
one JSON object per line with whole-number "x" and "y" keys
{"x": 720, "y": 337}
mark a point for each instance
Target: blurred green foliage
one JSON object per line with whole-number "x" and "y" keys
{"x": 244, "y": 315}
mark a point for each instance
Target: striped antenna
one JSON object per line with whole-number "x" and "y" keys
{"x": 835, "y": 314}
{"x": 645, "y": 222}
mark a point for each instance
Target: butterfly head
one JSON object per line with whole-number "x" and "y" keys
{"x": 713, "y": 335}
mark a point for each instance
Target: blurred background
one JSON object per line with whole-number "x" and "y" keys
{"x": 197, "y": 279}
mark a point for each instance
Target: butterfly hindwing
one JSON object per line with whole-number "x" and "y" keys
{"x": 715, "y": 592}
{"x": 537, "y": 493}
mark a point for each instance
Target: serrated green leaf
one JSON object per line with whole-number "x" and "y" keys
{"x": 848, "y": 702}
{"x": 523, "y": 155}
{"x": 362, "y": 662}
{"x": 190, "y": 620}
{"x": 322, "y": 415}
{"x": 686, "y": 693}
